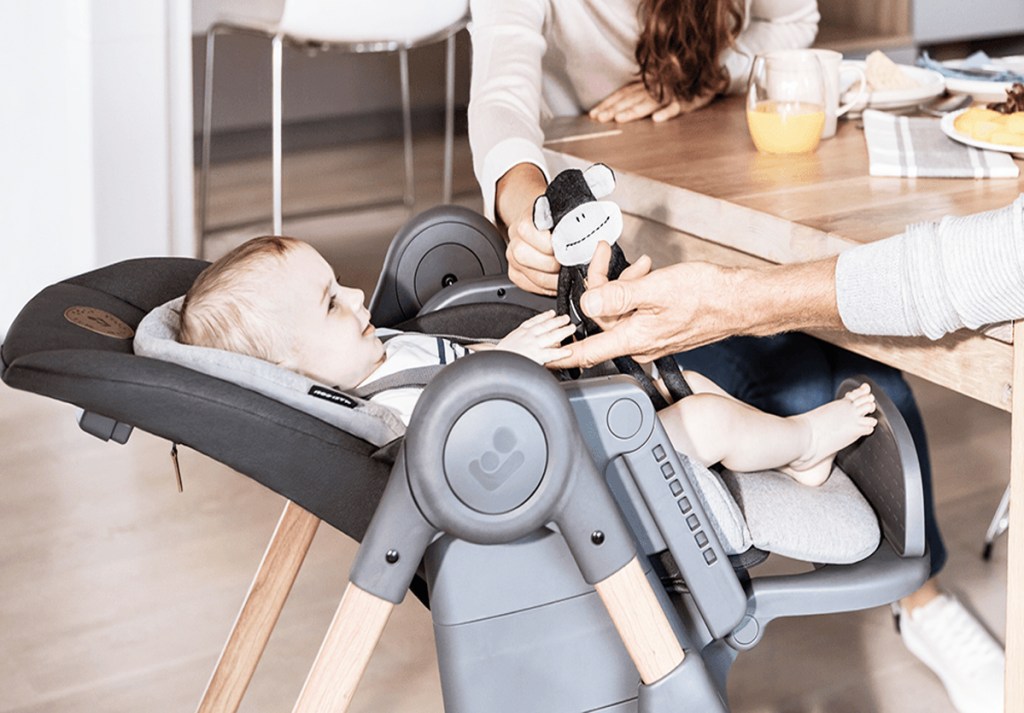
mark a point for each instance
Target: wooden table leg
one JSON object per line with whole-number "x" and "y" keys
{"x": 260, "y": 610}
{"x": 345, "y": 652}
{"x": 1015, "y": 536}
{"x": 640, "y": 621}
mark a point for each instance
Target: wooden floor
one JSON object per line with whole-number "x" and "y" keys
{"x": 116, "y": 592}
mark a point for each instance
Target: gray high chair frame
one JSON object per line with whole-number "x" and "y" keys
{"x": 551, "y": 573}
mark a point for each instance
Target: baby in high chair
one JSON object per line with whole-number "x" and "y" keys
{"x": 277, "y": 299}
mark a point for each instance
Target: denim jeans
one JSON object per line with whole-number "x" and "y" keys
{"x": 792, "y": 373}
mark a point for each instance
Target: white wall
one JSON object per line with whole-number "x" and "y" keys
{"x": 95, "y": 168}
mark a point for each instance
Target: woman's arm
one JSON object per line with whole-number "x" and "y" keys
{"x": 505, "y": 90}
{"x": 771, "y": 25}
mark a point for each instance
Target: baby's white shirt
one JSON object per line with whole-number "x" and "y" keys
{"x": 409, "y": 351}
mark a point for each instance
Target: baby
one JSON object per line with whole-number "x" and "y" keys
{"x": 277, "y": 299}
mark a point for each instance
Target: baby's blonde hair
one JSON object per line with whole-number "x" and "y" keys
{"x": 222, "y": 309}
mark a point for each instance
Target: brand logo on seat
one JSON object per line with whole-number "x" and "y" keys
{"x": 98, "y": 321}
{"x": 495, "y": 467}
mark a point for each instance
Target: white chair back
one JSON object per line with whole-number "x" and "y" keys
{"x": 402, "y": 21}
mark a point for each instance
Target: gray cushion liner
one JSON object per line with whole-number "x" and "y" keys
{"x": 770, "y": 511}
{"x": 157, "y": 338}
{"x": 829, "y": 524}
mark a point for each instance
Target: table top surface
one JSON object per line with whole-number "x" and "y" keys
{"x": 829, "y": 191}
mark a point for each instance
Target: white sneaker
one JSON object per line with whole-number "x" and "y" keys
{"x": 957, "y": 648}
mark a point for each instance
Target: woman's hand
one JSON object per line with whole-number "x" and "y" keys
{"x": 633, "y": 102}
{"x": 539, "y": 338}
{"x": 531, "y": 259}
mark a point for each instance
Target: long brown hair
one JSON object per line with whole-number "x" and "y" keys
{"x": 680, "y": 45}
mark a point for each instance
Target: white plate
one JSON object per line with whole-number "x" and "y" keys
{"x": 948, "y": 129}
{"x": 984, "y": 90}
{"x": 930, "y": 84}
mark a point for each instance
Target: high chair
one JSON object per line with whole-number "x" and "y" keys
{"x": 571, "y": 558}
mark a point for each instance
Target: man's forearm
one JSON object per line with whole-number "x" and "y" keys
{"x": 785, "y": 298}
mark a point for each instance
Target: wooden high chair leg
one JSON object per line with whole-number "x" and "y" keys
{"x": 262, "y": 606}
{"x": 339, "y": 666}
{"x": 642, "y": 625}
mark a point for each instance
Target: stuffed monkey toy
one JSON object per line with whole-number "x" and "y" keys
{"x": 578, "y": 221}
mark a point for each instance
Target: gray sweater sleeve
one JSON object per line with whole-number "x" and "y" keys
{"x": 936, "y": 277}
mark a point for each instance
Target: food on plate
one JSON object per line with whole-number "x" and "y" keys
{"x": 1014, "y": 100}
{"x": 989, "y": 125}
{"x": 885, "y": 75}
{"x": 1007, "y": 138}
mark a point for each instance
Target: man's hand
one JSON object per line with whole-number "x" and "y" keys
{"x": 632, "y": 102}
{"x": 662, "y": 312}
{"x": 691, "y": 304}
{"x": 597, "y": 275}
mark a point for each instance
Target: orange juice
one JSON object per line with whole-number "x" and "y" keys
{"x": 786, "y": 127}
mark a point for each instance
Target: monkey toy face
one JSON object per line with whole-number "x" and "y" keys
{"x": 577, "y": 220}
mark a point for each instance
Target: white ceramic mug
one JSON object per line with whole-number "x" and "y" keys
{"x": 834, "y": 67}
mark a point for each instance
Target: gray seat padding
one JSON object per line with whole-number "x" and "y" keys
{"x": 829, "y": 524}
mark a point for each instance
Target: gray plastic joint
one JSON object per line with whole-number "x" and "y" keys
{"x": 395, "y": 541}
{"x": 688, "y": 688}
{"x": 593, "y": 526}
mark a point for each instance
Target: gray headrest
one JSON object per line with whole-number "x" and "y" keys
{"x": 157, "y": 338}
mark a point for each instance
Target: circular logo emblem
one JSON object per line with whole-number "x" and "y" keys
{"x": 98, "y": 321}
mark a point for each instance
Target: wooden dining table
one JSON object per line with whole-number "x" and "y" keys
{"x": 695, "y": 188}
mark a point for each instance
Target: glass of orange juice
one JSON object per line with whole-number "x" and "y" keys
{"x": 786, "y": 102}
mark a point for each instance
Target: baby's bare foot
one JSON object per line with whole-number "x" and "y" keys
{"x": 831, "y": 428}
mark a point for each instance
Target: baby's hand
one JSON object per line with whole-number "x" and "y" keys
{"x": 539, "y": 338}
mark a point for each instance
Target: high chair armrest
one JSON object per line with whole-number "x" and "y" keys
{"x": 883, "y": 577}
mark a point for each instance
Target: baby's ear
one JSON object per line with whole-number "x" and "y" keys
{"x": 542, "y": 213}
{"x": 600, "y": 179}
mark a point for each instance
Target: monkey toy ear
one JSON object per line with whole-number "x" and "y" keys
{"x": 542, "y": 214}
{"x": 600, "y": 179}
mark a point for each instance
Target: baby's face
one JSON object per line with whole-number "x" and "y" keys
{"x": 329, "y": 327}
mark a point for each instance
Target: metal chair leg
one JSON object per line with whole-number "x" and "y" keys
{"x": 276, "y": 44}
{"x": 204, "y": 169}
{"x": 1000, "y": 522}
{"x": 403, "y": 60}
{"x": 449, "y": 119}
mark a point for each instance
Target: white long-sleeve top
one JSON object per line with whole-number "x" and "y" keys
{"x": 936, "y": 277}
{"x": 534, "y": 59}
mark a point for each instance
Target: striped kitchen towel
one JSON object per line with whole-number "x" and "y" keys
{"x": 916, "y": 148}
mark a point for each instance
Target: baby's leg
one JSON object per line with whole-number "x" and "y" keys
{"x": 716, "y": 429}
